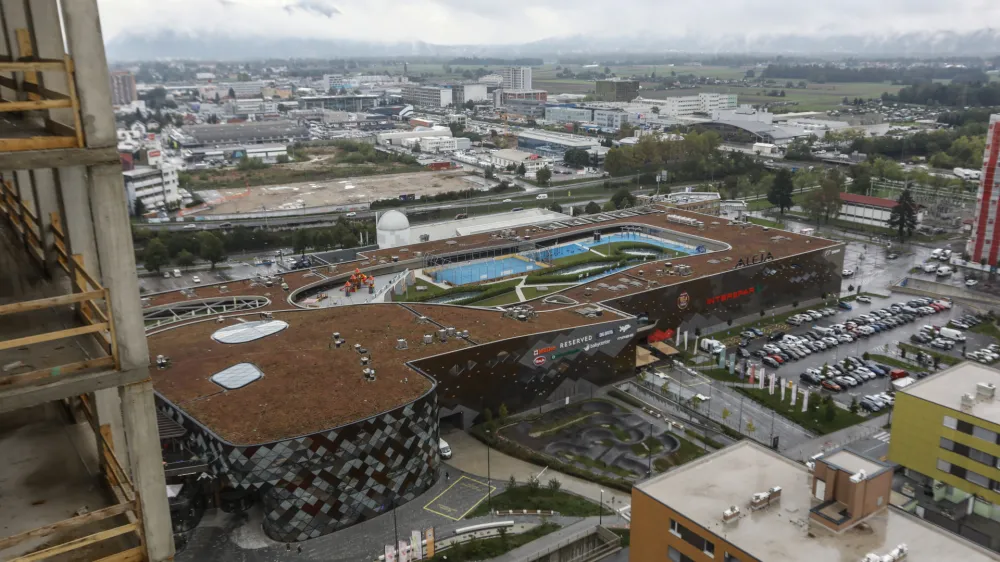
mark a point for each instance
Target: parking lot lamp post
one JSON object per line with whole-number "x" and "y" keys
{"x": 649, "y": 455}
{"x": 489, "y": 487}
{"x": 600, "y": 510}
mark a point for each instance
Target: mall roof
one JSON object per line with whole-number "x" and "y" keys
{"x": 701, "y": 490}
{"x": 947, "y": 387}
{"x": 563, "y": 139}
{"x": 241, "y": 132}
{"x": 856, "y": 199}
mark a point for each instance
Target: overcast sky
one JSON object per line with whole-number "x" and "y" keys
{"x": 519, "y": 21}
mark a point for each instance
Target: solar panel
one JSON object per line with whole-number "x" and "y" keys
{"x": 237, "y": 376}
{"x": 248, "y": 331}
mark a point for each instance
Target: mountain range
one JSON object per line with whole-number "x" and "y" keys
{"x": 172, "y": 45}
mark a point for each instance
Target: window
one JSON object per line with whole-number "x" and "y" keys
{"x": 979, "y": 456}
{"x": 944, "y": 466}
{"x": 984, "y": 434}
{"x": 709, "y": 549}
{"x": 977, "y": 479}
{"x": 674, "y": 527}
{"x": 730, "y": 558}
{"x": 692, "y": 538}
{"x": 676, "y": 556}
{"x": 950, "y": 422}
{"x": 947, "y": 444}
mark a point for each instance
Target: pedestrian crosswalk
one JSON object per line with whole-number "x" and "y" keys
{"x": 882, "y": 436}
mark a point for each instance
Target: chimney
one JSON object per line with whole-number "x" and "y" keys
{"x": 732, "y": 513}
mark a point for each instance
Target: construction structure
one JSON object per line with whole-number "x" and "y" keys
{"x": 82, "y": 476}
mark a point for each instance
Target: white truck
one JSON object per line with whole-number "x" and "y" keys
{"x": 951, "y": 334}
{"x": 944, "y": 271}
{"x": 711, "y": 346}
{"x": 901, "y": 383}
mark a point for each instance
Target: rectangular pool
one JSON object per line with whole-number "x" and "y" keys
{"x": 474, "y": 272}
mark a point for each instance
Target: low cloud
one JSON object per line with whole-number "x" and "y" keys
{"x": 319, "y": 7}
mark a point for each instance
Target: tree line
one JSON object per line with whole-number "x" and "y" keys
{"x": 696, "y": 157}
{"x": 822, "y": 73}
{"x": 955, "y": 94}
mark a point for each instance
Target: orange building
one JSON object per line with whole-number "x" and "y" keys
{"x": 746, "y": 503}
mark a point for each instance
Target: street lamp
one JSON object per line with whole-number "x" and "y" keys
{"x": 489, "y": 487}
{"x": 600, "y": 510}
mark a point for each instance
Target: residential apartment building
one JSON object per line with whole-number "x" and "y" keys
{"x": 154, "y": 181}
{"x": 245, "y": 107}
{"x": 461, "y": 93}
{"x": 702, "y": 103}
{"x": 249, "y": 89}
{"x": 515, "y": 77}
{"x": 747, "y": 503}
{"x": 503, "y": 97}
{"x": 427, "y": 96}
{"x": 985, "y": 240}
{"x": 617, "y": 89}
{"x": 123, "y": 88}
{"x": 946, "y": 435}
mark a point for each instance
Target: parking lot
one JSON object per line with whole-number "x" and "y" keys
{"x": 884, "y": 343}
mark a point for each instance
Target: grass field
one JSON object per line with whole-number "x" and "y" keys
{"x": 816, "y": 97}
{"x": 525, "y": 497}
{"x": 535, "y": 292}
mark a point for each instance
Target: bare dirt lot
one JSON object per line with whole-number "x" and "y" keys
{"x": 339, "y": 191}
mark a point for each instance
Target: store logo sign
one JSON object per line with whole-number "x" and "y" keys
{"x": 540, "y": 360}
{"x": 624, "y": 328}
{"x": 661, "y": 335}
{"x": 730, "y": 296}
{"x": 544, "y": 350}
{"x": 754, "y": 260}
{"x": 683, "y": 300}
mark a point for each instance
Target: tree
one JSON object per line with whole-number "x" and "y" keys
{"x": 511, "y": 483}
{"x": 750, "y": 74}
{"x": 218, "y": 98}
{"x": 502, "y": 412}
{"x": 138, "y": 208}
{"x": 781, "y": 191}
{"x": 592, "y": 208}
{"x": 521, "y": 170}
{"x": 903, "y": 216}
{"x": 725, "y": 414}
{"x": 554, "y": 485}
{"x": 416, "y": 147}
{"x": 184, "y": 259}
{"x": 488, "y": 172}
{"x": 301, "y": 241}
{"x": 210, "y": 248}
{"x": 282, "y": 159}
{"x": 555, "y": 207}
{"x": 232, "y": 93}
{"x": 751, "y": 428}
{"x": 622, "y": 198}
{"x": 854, "y": 406}
{"x": 154, "y": 255}
{"x": 544, "y": 175}
{"x": 829, "y": 411}
{"x": 324, "y": 239}
{"x": 470, "y": 105}
{"x": 656, "y": 109}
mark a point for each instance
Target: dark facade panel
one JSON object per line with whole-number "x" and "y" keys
{"x": 317, "y": 484}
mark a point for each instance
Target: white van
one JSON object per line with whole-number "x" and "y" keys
{"x": 943, "y": 271}
{"x": 945, "y": 255}
{"x": 444, "y": 448}
{"x": 930, "y": 267}
{"x": 823, "y": 331}
{"x": 711, "y": 346}
{"x": 542, "y": 196}
{"x": 951, "y": 334}
{"x": 177, "y": 273}
{"x": 936, "y": 254}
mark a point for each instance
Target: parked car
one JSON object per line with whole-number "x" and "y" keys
{"x": 845, "y": 305}
{"x": 864, "y": 299}
{"x": 770, "y": 362}
{"x": 196, "y": 279}
{"x": 776, "y": 336}
{"x": 831, "y": 386}
{"x": 848, "y": 272}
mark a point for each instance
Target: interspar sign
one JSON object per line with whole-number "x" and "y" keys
{"x": 605, "y": 338}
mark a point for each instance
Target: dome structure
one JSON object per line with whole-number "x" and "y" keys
{"x": 392, "y": 229}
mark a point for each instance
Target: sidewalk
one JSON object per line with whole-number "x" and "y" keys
{"x": 469, "y": 455}
{"x": 867, "y": 428}
{"x": 549, "y": 540}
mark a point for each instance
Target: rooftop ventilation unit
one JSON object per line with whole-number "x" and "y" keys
{"x": 968, "y": 401}
{"x": 451, "y": 332}
{"x": 369, "y": 374}
{"x": 687, "y": 221}
{"x": 357, "y": 347}
{"x": 401, "y": 343}
{"x": 162, "y": 361}
{"x": 428, "y": 339}
{"x": 732, "y": 513}
{"x": 465, "y": 333}
{"x": 986, "y": 391}
{"x": 893, "y": 555}
{"x": 336, "y": 335}
{"x": 861, "y": 475}
{"x": 810, "y": 466}
{"x": 443, "y": 335}
{"x": 761, "y": 500}
{"x": 365, "y": 360}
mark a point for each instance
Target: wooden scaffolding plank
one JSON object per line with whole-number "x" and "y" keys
{"x": 49, "y": 302}
{"x": 65, "y": 525}
{"x": 78, "y": 543}
{"x": 61, "y": 370}
{"x": 53, "y": 336}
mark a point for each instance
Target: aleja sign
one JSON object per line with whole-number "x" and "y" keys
{"x": 730, "y": 296}
{"x": 754, "y": 260}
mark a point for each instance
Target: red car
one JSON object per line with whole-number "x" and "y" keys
{"x": 936, "y": 306}
{"x": 778, "y": 359}
{"x": 830, "y": 385}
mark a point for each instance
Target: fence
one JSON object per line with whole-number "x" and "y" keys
{"x": 651, "y": 394}
{"x": 127, "y": 504}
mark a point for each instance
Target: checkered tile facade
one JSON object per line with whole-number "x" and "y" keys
{"x": 320, "y": 483}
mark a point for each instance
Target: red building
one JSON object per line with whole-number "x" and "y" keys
{"x": 984, "y": 242}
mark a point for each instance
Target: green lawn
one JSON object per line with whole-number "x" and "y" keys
{"x": 543, "y": 497}
{"x": 486, "y": 549}
{"x": 535, "y": 292}
{"x": 946, "y": 359}
{"x": 813, "y": 421}
{"x": 599, "y": 465}
{"x": 509, "y": 297}
{"x": 687, "y": 452}
{"x": 988, "y": 328}
{"x": 489, "y": 291}
{"x": 649, "y": 446}
{"x": 893, "y": 362}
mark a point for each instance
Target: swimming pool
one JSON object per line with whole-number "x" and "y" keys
{"x": 473, "y": 272}
{"x": 629, "y": 237}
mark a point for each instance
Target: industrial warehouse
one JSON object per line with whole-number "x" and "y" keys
{"x": 320, "y": 396}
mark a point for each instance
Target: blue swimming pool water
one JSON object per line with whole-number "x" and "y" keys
{"x": 612, "y": 238}
{"x": 474, "y": 272}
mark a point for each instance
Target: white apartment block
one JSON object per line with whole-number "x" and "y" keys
{"x": 516, "y": 77}
{"x": 251, "y": 106}
{"x": 157, "y": 187}
{"x": 702, "y": 103}
{"x": 610, "y": 118}
{"x": 426, "y": 96}
{"x": 492, "y": 80}
{"x": 438, "y": 144}
{"x": 985, "y": 240}
{"x": 251, "y": 89}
